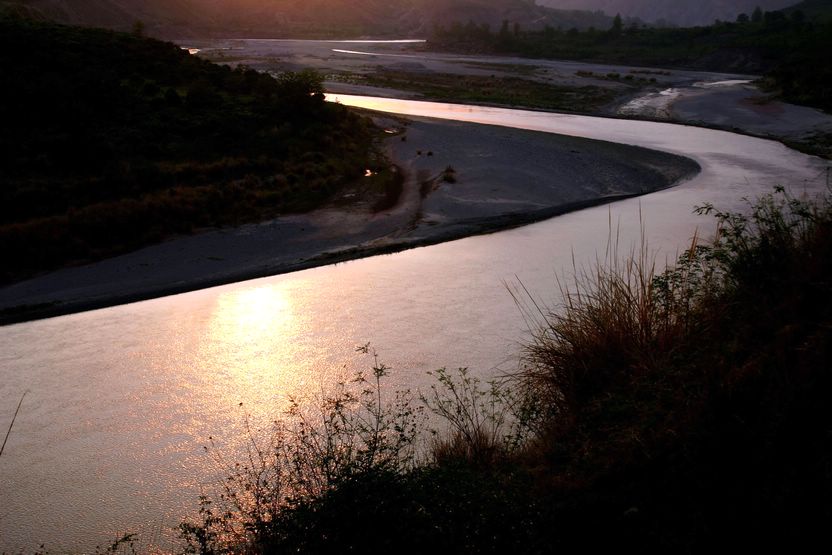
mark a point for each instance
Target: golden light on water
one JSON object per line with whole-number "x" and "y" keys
{"x": 254, "y": 333}
{"x": 253, "y": 315}
{"x": 370, "y": 103}
{"x": 267, "y": 343}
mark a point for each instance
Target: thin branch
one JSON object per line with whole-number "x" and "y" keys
{"x": 13, "y": 419}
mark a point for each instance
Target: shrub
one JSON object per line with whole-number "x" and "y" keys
{"x": 353, "y": 435}
{"x": 449, "y": 175}
{"x": 482, "y": 425}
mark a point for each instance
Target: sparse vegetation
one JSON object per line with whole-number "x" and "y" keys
{"x": 325, "y": 475}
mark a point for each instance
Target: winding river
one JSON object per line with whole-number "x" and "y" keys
{"x": 122, "y": 400}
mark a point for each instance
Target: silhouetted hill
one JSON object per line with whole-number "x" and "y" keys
{"x": 526, "y": 14}
{"x": 115, "y": 14}
{"x": 813, "y": 9}
{"x": 282, "y": 18}
{"x": 382, "y": 17}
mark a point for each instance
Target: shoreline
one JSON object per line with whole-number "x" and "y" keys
{"x": 506, "y": 178}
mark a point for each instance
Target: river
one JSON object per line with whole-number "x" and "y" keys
{"x": 121, "y": 400}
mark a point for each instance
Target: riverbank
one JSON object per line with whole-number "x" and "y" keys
{"x": 500, "y": 178}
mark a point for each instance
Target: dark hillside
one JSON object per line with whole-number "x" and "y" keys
{"x": 114, "y": 14}
{"x": 300, "y": 18}
{"x": 111, "y": 141}
{"x": 813, "y": 9}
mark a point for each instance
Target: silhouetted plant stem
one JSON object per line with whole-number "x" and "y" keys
{"x": 12, "y": 423}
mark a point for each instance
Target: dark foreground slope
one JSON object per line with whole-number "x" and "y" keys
{"x": 112, "y": 141}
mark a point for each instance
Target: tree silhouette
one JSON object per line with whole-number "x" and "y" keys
{"x": 617, "y": 25}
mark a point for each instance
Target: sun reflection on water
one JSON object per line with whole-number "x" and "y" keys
{"x": 252, "y": 315}
{"x": 268, "y": 343}
{"x": 252, "y": 336}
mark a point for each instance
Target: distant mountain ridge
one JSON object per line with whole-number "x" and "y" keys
{"x": 679, "y": 12}
{"x": 293, "y": 17}
{"x": 112, "y": 13}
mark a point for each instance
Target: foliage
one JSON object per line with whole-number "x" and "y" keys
{"x": 353, "y": 435}
{"x": 357, "y": 460}
{"x": 689, "y": 407}
{"x": 621, "y": 319}
{"x": 482, "y": 424}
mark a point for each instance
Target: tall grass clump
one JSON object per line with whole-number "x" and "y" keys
{"x": 482, "y": 424}
{"x": 620, "y": 318}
